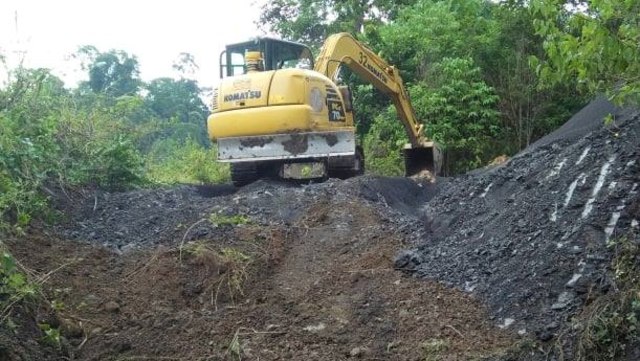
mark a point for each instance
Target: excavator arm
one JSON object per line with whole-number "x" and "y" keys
{"x": 343, "y": 49}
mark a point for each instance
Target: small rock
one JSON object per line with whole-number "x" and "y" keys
{"x": 545, "y": 336}
{"x": 71, "y": 328}
{"x": 507, "y": 322}
{"x": 111, "y": 306}
{"x": 408, "y": 260}
{"x": 315, "y": 328}
{"x": 573, "y": 280}
{"x": 552, "y": 326}
{"x": 575, "y": 250}
{"x": 128, "y": 248}
{"x": 563, "y": 301}
{"x": 92, "y": 299}
{"x": 358, "y": 351}
{"x": 122, "y": 346}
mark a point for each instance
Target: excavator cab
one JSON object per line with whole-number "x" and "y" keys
{"x": 275, "y": 54}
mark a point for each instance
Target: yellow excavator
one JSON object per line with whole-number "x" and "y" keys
{"x": 274, "y": 108}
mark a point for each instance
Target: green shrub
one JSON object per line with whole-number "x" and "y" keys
{"x": 609, "y": 325}
{"x": 461, "y": 114}
{"x": 52, "y": 138}
{"x": 14, "y": 285}
{"x": 171, "y": 162}
{"x": 27, "y": 150}
{"x": 383, "y": 145}
{"x": 46, "y": 137}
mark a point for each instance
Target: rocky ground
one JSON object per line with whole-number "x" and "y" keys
{"x": 530, "y": 237}
{"x": 493, "y": 265}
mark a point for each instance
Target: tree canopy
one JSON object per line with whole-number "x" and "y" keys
{"x": 494, "y": 41}
{"x": 594, "y": 42}
{"x": 114, "y": 73}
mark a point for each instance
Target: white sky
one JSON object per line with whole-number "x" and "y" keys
{"x": 154, "y": 31}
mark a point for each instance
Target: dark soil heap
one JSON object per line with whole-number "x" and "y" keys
{"x": 177, "y": 274}
{"x": 530, "y": 237}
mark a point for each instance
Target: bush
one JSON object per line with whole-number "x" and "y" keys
{"x": 45, "y": 136}
{"x": 461, "y": 114}
{"x": 383, "y": 144}
{"x": 609, "y": 325}
{"x": 51, "y": 137}
{"x": 27, "y": 149}
{"x": 171, "y": 161}
{"x": 14, "y": 285}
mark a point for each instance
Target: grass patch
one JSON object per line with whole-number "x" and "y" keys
{"x": 172, "y": 162}
{"x": 434, "y": 349}
{"x": 233, "y": 267}
{"x": 237, "y": 264}
{"x": 220, "y": 219}
{"x": 609, "y": 325}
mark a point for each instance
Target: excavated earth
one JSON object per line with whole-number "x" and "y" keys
{"x": 491, "y": 265}
{"x": 268, "y": 272}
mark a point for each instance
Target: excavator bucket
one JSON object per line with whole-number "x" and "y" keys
{"x": 420, "y": 160}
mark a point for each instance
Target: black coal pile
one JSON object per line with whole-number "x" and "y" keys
{"x": 530, "y": 237}
{"x": 168, "y": 216}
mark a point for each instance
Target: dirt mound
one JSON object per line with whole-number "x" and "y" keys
{"x": 297, "y": 273}
{"x": 530, "y": 237}
{"x": 132, "y": 220}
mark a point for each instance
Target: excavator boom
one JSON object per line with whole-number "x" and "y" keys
{"x": 421, "y": 153}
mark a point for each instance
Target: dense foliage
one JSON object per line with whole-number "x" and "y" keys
{"x": 467, "y": 63}
{"x": 593, "y": 41}
{"x": 103, "y": 134}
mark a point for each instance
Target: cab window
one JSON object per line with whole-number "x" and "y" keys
{"x": 291, "y": 56}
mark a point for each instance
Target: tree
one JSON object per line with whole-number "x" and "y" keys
{"x": 462, "y": 113}
{"x": 185, "y": 64}
{"x": 383, "y": 143}
{"x": 593, "y": 41}
{"x": 176, "y": 98}
{"x": 297, "y": 20}
{"x": 429, "y": 31}
{"x": 500, "y": 39}
{"x": 29, "y": 84}
{"x": 114, "y": 73}
{"x": 528, "y": 112}
{"x": 178, "y": 105}
{"x": 312, "y": 21}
